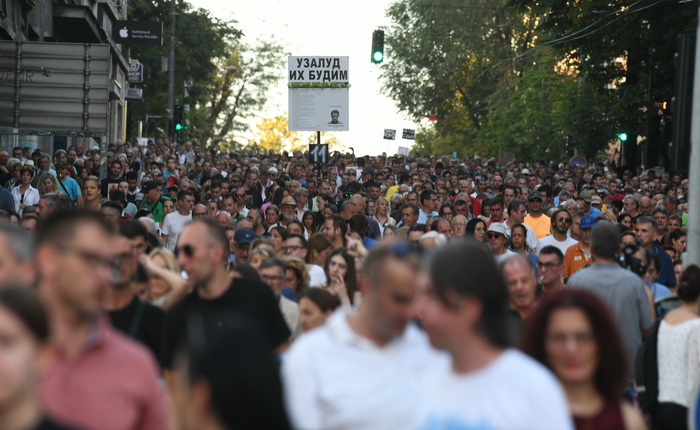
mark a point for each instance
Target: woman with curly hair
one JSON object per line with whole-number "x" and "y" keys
{"x": 47, "y": 184}
{"x": 575, "y": 336}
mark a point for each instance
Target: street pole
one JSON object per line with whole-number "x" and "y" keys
{"x": 693, "y": 254}
{"x": 171, "y": 66}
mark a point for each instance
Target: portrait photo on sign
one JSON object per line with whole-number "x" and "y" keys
{"x": 335, "y": 118}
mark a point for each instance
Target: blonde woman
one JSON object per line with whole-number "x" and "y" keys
{"x": 382, "y": 214}
{"x": 165, "y": 285}
{"x": 259, "y": 253}
{"x": 47, "y": 183}
{"x": 297, "y": 277}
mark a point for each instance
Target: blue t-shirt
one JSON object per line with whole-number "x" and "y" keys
{"x": 71, "y": 186}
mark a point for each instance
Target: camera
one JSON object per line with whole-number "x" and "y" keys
{"x": 627, "y": 260}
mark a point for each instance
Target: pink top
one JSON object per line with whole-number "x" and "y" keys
{"x": 111, "y": 385}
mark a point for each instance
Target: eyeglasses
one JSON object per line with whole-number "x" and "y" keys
{"x": 268, "y": 278}
{"x": 536, "y": 200}
{"x": 494, "y": 235}
{"x": 564, "y": 219}
{"x": 240, "y": 195}
{"x": 198, "y": 214}
{"x": 187, "y": 250}
{"x": 95, "y": 261}
{"x": 547, "y": 266}
{"x": 290, "y": 248}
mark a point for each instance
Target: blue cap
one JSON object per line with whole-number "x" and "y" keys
{"x": 243, "y": 236}
{"x": 587, "y": 221}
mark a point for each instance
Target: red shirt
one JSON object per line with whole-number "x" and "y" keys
{"x": 112, "y": 384}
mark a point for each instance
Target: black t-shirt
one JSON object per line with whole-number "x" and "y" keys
{"x": 104, "y": 185}
{"x": 252, "y": 298}
{"x": 149, "y": 330}
{"x": 253, "y": 199}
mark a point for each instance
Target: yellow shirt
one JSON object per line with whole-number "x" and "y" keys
{"x": 541, "y": 225}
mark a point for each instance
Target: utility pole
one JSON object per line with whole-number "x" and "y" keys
{"x": 693, "y": 255}
{"x": 171, "y": 67}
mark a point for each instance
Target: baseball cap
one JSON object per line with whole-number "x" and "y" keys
{"x": 498, "y": 227}
{"x": 587, "y": 221}
{"x": 535, "y": 195}
{"x": 586, "y": 196}
{"x": 243, "y": 236}
{"x": 118, "y": 196}
{"x": 288, "y": 200}
{"x": 148, "y": 186}
{"x": 596, "y": 200}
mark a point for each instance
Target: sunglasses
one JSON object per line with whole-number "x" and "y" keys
{"x": 240, "y": 195}
{"x": 194, "y": 214}
{"x": 493, "y": 235}
{"x": 564, "y": 219}
{"x": 536, "y": 200}
{"x": 187, "y": 250}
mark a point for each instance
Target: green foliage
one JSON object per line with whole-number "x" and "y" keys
{"x": 222, "y": 81}
{"x": 522, "y": 75}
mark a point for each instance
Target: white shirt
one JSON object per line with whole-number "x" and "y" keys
{"x": 31, "y": 197}
{"x": 337, "y": 379}
{"x": 290, "y": 312}
{"x": 172, "y": 225}
{"x": 550, "y": 240}
{"x": 500, "y": 258}
{"x": 513, "y": 392}
{"x": 317, "y": 277}
{"x": 679, "y": 361}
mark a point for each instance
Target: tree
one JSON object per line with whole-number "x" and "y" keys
{"x": 522, "y": 75}
{"x": 273, "y": 134}
{"x": 239, "y": 89}
{"x": 201, "y": 38}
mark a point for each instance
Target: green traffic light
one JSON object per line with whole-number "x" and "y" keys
{"x": 178, "y": 127}
{"x": 378, "y": 56}
{"x": 622, "y": 136}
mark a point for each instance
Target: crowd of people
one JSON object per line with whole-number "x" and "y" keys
{"x": 198, "y": 289}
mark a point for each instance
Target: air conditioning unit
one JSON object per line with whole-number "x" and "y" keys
{"x": 133, "y": 93}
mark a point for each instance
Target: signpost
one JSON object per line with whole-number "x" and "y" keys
{"x": 409, "y": 133}
{"x": 652, "y": 108}
{"x": 389, "y": 134}
{"x": 319, "y": 93}
{"x": 577, "y": 161}
{"x": 135, "y": 74}
{"x": 318, "y": 154}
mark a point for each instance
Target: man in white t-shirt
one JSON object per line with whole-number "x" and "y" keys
{"x": 498, "y": 238}
{"x": 561, "y": 221}
{"x": 363, "y": 370}
{"x": 463, "y": 307}
{"x": 174, "y": 222}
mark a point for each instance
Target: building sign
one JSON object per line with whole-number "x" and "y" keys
{"x": 138, "y": 32}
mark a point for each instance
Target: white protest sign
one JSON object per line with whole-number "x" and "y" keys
{"x": 318, "y": 93}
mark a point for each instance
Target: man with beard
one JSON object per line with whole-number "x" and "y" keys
{"x": 137, "y": 319}
{"x": 203, "y": 251}
{"x": 561, "y": 221}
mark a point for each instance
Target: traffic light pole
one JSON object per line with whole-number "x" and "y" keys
{"x": 693, "y": 254}
{"x": 171, "y": 69}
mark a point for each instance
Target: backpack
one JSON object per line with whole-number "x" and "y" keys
{"x": 646, "y": 372}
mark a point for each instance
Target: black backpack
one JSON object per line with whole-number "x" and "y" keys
{"x": 646, "y": 372}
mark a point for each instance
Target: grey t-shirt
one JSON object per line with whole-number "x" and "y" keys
{"x": 623, "y": 292}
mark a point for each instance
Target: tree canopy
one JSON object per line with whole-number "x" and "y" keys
{"x": 525, "y": 76}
